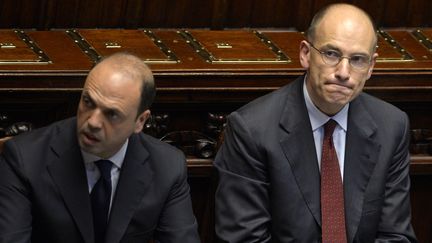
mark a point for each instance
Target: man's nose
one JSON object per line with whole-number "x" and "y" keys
{"x": 343, "y": 69}
{"x": 95, "y": 120}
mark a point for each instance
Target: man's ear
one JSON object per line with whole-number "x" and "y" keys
{"x": 373, "y": 61}
{"x": 140, "y": 121}
{"x": 304, "y": 54}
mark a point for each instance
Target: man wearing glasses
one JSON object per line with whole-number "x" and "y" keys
{"x": 318, "y": 160}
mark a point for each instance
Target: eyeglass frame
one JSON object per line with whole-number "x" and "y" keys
{"x": 324, "y": 56}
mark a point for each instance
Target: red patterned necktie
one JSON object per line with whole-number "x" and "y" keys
{"x": 332, "y": 197}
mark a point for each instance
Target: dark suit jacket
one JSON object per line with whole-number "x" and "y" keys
{"x": 269, "y": 185}
{"x": 44, "y": 194}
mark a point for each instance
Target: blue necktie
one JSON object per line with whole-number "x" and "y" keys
{"x": 100, "y": 200}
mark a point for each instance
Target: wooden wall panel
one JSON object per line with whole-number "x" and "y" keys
{"x": 213, "y": 14}
{"x": 395, "y": 13}
{"x": 420, "y": 12}
{"x": 237, "y": 14}
{"x": 281, "y": 15}
{"x": 89, "y": 13}
{"x": 264, "y": 14}
{"x": 26, "y": 14}
{"x": 220, "y": 11}
{"x": 64, "y": 15}
{"x": 374, "y": 8}
{"x": 7, "y": 14}
{"x": 113, "y": 13}
{"x": 19, "y": 12}
{"x": 302, "y": 15}
{"x": 189, "y": 13}
{"x": 147, "y": 14}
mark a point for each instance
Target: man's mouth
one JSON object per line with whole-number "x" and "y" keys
{"x": 89, "y": 138}
{"x": 339, "y": 85}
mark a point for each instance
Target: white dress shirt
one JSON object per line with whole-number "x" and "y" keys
{"x": 93, "y": 173}
{"x": 318, "y": 119}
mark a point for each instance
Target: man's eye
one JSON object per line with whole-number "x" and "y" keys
{"x": 331, "y": 54}
{"x": 112, "y": 115}
{"x": 359, "y": 59}
{"x": 87, "y": 102}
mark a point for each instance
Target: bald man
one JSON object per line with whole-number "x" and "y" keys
{"x": 318, "y": 160}
{"x": 97, "y": 177}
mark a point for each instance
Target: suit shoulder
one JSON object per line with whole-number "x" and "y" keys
{"x": 160, "y": 148}
{"x": 165, "y": 159}
{"x": 379, "y": 108}
{"x": 42, "y": 136}
{"x": 388, "y": 118}
{"x": 31, "y": 151}
{"x": 261, "y": 104}
{"x": 265, "y": 109}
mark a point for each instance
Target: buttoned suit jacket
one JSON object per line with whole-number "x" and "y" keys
{"x": 269, "y": 179}
{"x": 44, "y": 193}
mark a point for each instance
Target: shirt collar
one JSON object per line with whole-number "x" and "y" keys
{"x": 318, "y": 118}
{"x": 117, "y": 159}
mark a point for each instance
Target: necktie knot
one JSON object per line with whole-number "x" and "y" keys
{"x": 329, "y": 128}
{"x": 104, "y": 168}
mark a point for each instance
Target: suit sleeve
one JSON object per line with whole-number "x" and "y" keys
{"x": 177, "y": 222}
{"x": 395, "y": 223}
{"x": 242, "y": 200}
{"x": 15, "y": 204}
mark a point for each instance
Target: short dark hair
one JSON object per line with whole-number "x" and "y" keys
{"x": 148, "y": 94}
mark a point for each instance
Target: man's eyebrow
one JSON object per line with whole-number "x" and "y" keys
{"x": 103, "y": 108}
{"x": 112, "y": 109}
{"x": 85, "y": 92}
{"x": 115, "y": 111}
{"x": 335, "y": 48}
{"x": 331, "y": 47}
{"x": 87, "y": 95}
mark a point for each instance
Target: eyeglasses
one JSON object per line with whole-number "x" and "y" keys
{"x": 333, "y": 58}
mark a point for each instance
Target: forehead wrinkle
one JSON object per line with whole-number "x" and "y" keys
{"x": 108, "y": 95}
{"x": 357, "y": 39}
{"x": 104, "y": 102}
{"x": 330, "y": 46}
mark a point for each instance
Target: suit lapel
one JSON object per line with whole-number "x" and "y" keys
{"x": 136, "y": 175}
{"x": 299, "y": 147}
{"x": 361, "y": 155}
{"x": 68, "y": 173}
